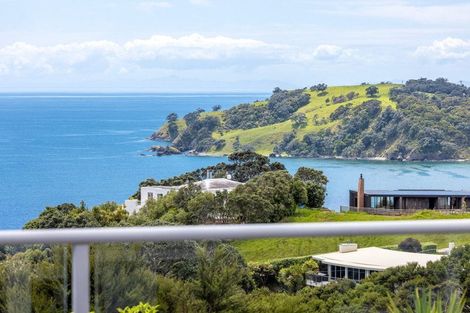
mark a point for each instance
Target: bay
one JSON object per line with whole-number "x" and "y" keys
{"x": 57, "y": 148}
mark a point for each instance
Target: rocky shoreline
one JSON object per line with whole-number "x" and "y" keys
{"x": 164, "y": 150}
{"x": 170, "y": 150}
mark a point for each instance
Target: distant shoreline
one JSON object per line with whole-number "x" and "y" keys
{"x": 380, "y": 159}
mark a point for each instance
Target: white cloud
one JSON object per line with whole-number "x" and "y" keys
{"x": 446, "y": 49}
{"x": 160, "y": 52}
{"x": 150, "y": 6}
{"x": 193, "y": 47}
{"x": 156, "y": 51}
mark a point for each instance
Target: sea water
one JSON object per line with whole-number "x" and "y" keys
{"x": 57, "y": 148}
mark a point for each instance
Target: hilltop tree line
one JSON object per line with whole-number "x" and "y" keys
{"x": 431, "y": 121}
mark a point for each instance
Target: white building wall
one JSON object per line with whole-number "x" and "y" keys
{"x": 153, "y": 192}
{"x": 132, "y": 206}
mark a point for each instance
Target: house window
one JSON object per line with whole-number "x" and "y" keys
{"x": 159, "y": 195}
{"x": 337, "y": 272}
{"x": 382, "y": 202}
{"x": 356, "y": 274}
{"x": 443, "y": 202}
{"x": 150, "y": 195}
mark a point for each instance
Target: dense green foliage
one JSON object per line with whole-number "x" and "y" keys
{"x": 420, "y": 120}
{"x": 280, "y": 107}
{"x": 68, "y": 215}
{"x": 198, "y": 133}
{"x": 410, "y": 245}
{"x": 269, "y": 197}
{"x": 242, "y": 167}
{"x": 424, "y": 302}
{"x": 269, "y": 194}
{"x": 140, "y": 308}
{"x": 432, "y": 121}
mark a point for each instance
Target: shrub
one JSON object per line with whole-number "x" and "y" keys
{"x": 429, "y": 247}
{"x": 410, "y": 245}
{"x": 140, "y": 308}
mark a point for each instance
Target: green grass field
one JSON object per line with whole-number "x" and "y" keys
{"x": 261, "y": 250}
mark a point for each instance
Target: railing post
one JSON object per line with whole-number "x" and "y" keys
{"x": 80, "y": 278}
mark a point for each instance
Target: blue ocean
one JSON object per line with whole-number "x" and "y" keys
{"x": 57, "y": 148}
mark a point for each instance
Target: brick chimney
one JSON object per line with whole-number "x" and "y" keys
{"x": 360, "y": 193}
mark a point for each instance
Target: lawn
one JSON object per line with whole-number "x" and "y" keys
{"x": 261, "y": 250}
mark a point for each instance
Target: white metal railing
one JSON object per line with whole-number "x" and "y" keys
{"x": 80, "y": 239}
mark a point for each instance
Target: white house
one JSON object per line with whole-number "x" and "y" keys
{"x": 356, "y": 264}
{"x": 212, "y": 185}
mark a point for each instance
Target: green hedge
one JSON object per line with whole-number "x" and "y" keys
{"x": 426, "y": 247}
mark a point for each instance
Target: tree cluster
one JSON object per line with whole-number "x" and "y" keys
{"x": 431, "y": 122}
{"x": 279, "y": 108}
{"x": 220, "y": 281}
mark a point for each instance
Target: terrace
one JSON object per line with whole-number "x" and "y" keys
{"x": 81, "y": 240}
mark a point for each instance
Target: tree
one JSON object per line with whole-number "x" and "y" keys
{"x": 109, "y": 214}
{"x": 315, "y": 184}
{"x": 236, "y": 144}
{"x": 249, "y": 208}
{"x": 425, "y": 302}
{"x": 120, "y": 278}
{"x": 247, "y": 165}
{"x": 218, "y": 278}
{"x": 299, "y": 191}
{"x": 216, "y": 107}
{"x": 372, "y": 91}
{"x": 172, "y": 117}
{"x": 299, "y": 120}
{"x": 307, "y": 174}
{"x": 201, "y": 208}
{"x": 269, "y": 195}
{"x": 171, "y": 258}
{"x": 293, "y": 277}
{"x": 410, "y": 245}
{"x": 319, "y": 87}
{"x": 315, "y": 194}
{"x": 65, "y": 215}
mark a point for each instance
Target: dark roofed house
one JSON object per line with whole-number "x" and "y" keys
{"x": 408, "y": 199}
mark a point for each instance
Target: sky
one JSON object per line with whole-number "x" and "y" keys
{"x": 230, "y": 46}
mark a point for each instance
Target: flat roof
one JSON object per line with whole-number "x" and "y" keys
{"x": 419, "y": 193}
{"x": 217, "y": 183}
{"x": 374, "y": 258}
{"x": 206, "y": 185}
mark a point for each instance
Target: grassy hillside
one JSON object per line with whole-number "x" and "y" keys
{"x": 264, "y": 139}
{"x": 260, "y": 250}
{"x": 421, "y": 120}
